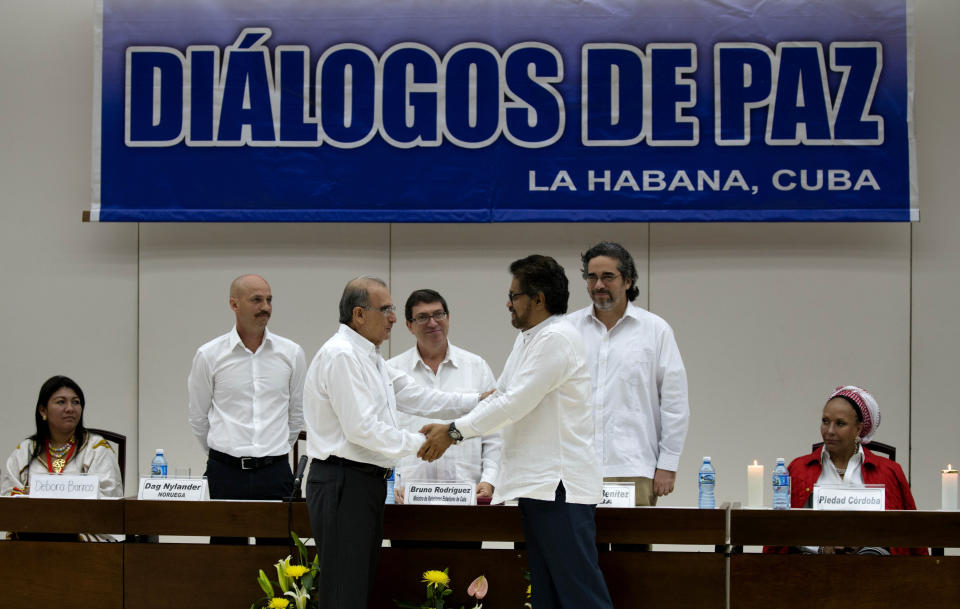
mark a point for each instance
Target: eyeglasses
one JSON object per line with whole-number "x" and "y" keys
{"x": 424, "y": 318}
{"x": 513, "y": 296}
{"x": 592, "y": 278}
{"x": 387, "y": 310}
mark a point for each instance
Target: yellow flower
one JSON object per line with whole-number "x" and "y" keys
{"x": 278, "y": 603}
{"x": 436, "y": 578}
{"x": 296, "y": 571}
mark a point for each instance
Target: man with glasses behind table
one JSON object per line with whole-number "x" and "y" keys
{"x": 639, "y": 382}
{"x": 435, "y": 362}
{"x": 350, "y": 403}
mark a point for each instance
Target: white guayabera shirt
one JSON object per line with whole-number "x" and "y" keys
{"x": 639, "y": 391}
{"x": 542, "y": 405}
{"x": 475, "y": 459}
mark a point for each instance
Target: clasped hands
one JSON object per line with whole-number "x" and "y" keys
{"x": 438, "y": 438}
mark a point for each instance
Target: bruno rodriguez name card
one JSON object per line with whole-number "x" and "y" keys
{"x": 440, "y": 493}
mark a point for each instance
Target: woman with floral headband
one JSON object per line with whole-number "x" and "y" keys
{"x": 850, "y": 418}
{"x": 61, "y": 445}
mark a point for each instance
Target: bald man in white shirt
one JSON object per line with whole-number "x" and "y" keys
{"x": 542, "y": 404}
{"x": 246, "y": 401}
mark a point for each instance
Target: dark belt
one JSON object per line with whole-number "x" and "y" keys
{"x": 244, "y": 462}
{"x": 368, "y": 468}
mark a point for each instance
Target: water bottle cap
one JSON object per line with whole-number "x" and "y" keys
{"x": 706, "y": 459}
{"x": 779, "y": 459}
{"x": 159, "y": 451}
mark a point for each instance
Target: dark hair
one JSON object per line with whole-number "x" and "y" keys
{"x": 355, "y": 294}
{"x": 624, "y": 263}
{"x": 853, "y": 405}
{"x": 424, "y": 296}
{"x": 537, "y": 273}
{"x": 51, "y": 386}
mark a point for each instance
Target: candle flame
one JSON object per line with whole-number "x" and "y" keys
{"x": 754, "y": 461}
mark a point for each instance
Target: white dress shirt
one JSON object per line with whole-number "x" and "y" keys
{"x": 244, "y": 403}
{"x": 852, "y": 477}
{"x": 639, "y": 391}
{"x": 351, "y": 398}
{"x": 543, "y": 405}
{"x": 475, "y": 459}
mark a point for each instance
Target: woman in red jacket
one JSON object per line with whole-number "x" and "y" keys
{"x": 850, "y": 418}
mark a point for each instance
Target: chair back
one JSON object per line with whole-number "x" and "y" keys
{"x": 121, "y": 441}
{"x": 890, "y": 452}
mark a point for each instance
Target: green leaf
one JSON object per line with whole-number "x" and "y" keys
{"x": 307, "y": 580}
{"x": 301, "y": 549}
{"x": 265, "y": 584}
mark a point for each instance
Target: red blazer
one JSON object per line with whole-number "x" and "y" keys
{"x": 805, "y": 471}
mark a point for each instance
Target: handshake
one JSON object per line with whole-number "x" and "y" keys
{"x": 438, "y": 437}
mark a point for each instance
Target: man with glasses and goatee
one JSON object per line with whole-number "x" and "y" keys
{"x": 639, "y": 382}
{"x": 542, "y": 404}
{"x": 435, "y": 362}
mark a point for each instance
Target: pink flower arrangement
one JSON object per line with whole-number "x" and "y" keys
{"x": 478, "y": 588}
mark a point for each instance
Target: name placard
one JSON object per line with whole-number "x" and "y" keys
{"x": 618, "y": 494}
{"x": 440, "y": 493}
{"x": 174, "y": 489}
{"x": 871, "y": 498}
{"x": 65, "y": 486}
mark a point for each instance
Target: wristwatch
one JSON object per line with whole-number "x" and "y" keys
{"x": 454, "y": 433}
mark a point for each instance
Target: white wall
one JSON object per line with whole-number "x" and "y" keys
{"x": 70, "y": 290}
{"x": 935, "y": 304}
{"x": 768, "y": 317}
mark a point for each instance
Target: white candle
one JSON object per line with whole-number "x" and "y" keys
{"x": 948, "y": 489}
{"x": 755, "y": 485}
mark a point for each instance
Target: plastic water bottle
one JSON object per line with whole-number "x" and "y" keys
{"x": 390, "y": 483}
{"x": 781, "y": 486}
{"x": 158, "y": 467}
{"x": 708, "y": 479}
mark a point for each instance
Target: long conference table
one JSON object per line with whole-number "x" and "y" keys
{"x": 138, "y": 574}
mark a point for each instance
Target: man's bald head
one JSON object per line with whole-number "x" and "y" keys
{"x": 252, "y": 302}
{"x": 245, "y": 283}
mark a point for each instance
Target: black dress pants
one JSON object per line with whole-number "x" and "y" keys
{"x": 562, "y": 553}
{"x": 274, "y": 481}
{"x": 345, "y": 501}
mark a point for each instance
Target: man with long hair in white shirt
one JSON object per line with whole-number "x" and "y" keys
{"x": 542, "y": 404}
{"x": 639, "y": 381}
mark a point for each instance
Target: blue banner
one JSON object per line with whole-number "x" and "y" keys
{"x": 504, "y": 111}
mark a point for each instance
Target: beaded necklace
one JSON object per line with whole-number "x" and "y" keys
{"x": 57, "y": 458}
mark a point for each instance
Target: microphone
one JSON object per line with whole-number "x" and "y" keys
{"x": 298, "y": 479}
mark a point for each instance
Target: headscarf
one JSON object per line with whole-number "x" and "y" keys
{"x": 865, "y": 403}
